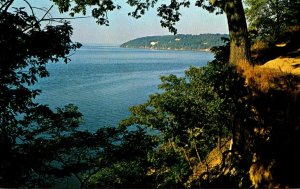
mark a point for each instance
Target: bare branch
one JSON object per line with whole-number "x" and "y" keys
{"x": 47, "y": 12}
{"x": 6, "y": 5}
{"x": 64, "y": 18}
{"x": 31, "y": 8}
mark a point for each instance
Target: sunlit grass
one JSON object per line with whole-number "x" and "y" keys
{"x": 276, "y": 74}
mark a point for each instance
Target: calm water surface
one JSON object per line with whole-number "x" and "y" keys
{"x": 104, "y": 81}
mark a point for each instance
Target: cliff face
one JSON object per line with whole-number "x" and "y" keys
{"x": 177, "y": 42}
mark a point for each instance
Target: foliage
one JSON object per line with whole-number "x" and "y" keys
{"x": 170, "y": 14}
{"x": 123, "y": 162}
{"x": 177, "y": 42}
{"x": 23, "y": 59}
{"x": 38, "y": 145}
{"x": 192, "y": 115}
{"x": 43, "y": 148}
{"x": 270, "y": 19}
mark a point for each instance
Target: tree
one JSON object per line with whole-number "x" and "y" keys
{"x": 170, "y": 14}
{"x": 41, "y": 147}
{"x": 123, "y": 161}
{"x": 271, "y": 18}
{"x": 266, "y": 17}
{"x": 23, "y": 60}
{"x": 193, "y": 116}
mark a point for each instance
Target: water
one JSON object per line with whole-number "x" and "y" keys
{"x": 104, "y": 81}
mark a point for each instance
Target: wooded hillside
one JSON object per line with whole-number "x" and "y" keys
{"x": 177, "y": 42}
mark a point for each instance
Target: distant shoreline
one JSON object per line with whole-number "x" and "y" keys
{"x": 167, "y": 49}
{"x": 180, "y": 42}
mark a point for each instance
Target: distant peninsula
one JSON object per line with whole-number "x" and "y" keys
{"x": 201, "y": 42}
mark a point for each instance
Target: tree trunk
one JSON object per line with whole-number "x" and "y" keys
{"x": 239, "y": 54}
{"x": 238, "y": 33}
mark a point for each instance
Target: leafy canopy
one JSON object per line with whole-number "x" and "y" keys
{"x": 169, "y": 13}
{"x": 41, "y": 147}
{"x": 271, "y": 18}
{"x": 25, "y": 49}
{"x": 192, "y": 116}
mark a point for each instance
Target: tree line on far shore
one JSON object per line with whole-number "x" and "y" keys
{"x": 177, "y": 42}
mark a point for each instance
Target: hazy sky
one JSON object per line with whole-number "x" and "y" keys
{"x": 122, "y": 28}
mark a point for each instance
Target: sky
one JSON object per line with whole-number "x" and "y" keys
{"x": 194, "y": 20}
